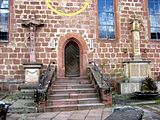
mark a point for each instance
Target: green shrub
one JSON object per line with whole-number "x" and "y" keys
{"x": 148, "y": 85}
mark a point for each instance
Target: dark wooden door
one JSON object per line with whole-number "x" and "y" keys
{"x": 72, "y": 67}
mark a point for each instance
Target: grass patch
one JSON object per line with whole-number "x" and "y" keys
{"x": 158, "y": 100}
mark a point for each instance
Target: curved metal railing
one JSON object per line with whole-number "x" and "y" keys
{"x": 41, "y": 92}
{"x": 95, "y": 74}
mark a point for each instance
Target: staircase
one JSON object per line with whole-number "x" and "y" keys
{"x": 74, "y": 93}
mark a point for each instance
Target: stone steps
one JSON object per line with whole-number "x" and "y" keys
{"x": 73, "y": 78}
{"x": 68, "y": 94}
{"x": 61, "y": 82}
{"x": 73, "y": 96}
{"x": 72, "y": 86}
{"x": 27, "y": 94}
{"x": 23, "y": 106}
{"x": 74, "y": 107}
{"x": 73, "y": 91}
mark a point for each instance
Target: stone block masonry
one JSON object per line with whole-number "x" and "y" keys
{"x": 113, "y": 52}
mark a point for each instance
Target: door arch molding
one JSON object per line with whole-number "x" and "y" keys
{"x": 82, "y": 49}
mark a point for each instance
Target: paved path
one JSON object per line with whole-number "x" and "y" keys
{"x": 150, "y": 113}
{"x": 95, "y": 114}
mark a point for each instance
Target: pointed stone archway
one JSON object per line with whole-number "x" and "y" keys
{"x": 83, "y": 61}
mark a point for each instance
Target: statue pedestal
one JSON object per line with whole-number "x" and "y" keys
{"x": 135, "y": 71}
{"x": 32, "y": 72}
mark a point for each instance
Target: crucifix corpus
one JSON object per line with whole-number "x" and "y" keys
{"x": 32, "y": 69}
{"x": 32, "y": 25}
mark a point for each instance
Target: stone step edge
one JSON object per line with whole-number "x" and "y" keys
{"x": 71, "y": 85}
{"x": 22, "y": 109}
{"x": 76, "y": 105}
{"x": 72, "y": 81}
{"x": 72, "y": 94}
{"x": 64, "y": 90}
{"x": 143, "y": 103}
{"x": 81, "y": 77}
{"x": 66, "y": 100}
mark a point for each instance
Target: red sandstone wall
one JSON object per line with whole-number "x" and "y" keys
{"x": 114, "y": 51}
{"x": 15, "y": 53}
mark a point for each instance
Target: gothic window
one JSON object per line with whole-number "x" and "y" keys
{"x": 106, "y": 19}
{"x": 154, "y": 14}
{"x": 4, "y": 20}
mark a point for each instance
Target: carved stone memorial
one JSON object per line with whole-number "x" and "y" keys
{"x": 32, "y": 69}
{"x": 136, "y": 70}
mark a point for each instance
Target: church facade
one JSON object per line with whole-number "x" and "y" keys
{"x": 76, "y": 32}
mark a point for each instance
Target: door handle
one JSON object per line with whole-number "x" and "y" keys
{"x": 77, "y": 56}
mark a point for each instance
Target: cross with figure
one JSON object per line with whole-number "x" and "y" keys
{"x": 32, "y": 24}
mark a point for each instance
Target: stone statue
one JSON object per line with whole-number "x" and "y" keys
{"x": 32, "y": 24}
{"x": 135, "y": 24}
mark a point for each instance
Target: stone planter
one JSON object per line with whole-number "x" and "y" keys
{"x": 158, "y": 85}
{"x": 129, "y": 87}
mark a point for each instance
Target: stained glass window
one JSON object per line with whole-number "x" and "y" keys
{"x": 154, "y": 14}
{"x": 106, "y": 19}
{"x": 4, "y": 4}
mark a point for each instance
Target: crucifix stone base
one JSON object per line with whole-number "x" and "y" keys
{"x": 32, "y": 72}
{"x": 32, "y": 69}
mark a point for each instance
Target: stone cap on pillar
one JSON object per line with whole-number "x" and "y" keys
{"x": 32, "y": 65}
{"x": 140, "y": 61}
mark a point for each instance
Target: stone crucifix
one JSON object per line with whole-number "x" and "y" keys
{"x": 32, "y": 24}
{"x": 135, "y": 29}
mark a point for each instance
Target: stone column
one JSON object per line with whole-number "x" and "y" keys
{"x": 135, "y": 28}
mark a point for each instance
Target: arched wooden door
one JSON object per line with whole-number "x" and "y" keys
{"x": 72, "y": 59}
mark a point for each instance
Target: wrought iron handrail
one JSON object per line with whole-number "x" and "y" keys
{"x": 100, "y": 79}
{"x": 43, "y": 79}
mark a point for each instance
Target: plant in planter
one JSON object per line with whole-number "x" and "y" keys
{"x": 148, "y": 86}
{"x": 148, "y": 89}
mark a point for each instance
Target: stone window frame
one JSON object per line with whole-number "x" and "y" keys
{"x": 7, "y": 40}
{"x": 146, "y": 13}
{"x": 116, "y": 24}
{"x": 150, "y": 36}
